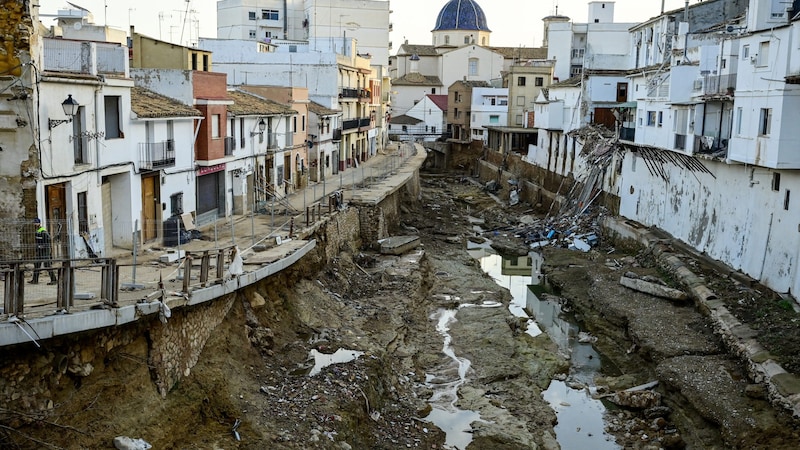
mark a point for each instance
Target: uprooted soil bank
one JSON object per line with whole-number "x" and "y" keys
{"x": 254, "y": 368}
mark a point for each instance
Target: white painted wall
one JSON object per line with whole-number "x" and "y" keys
{"x": 483, "y": 111}
{"x": 455, "y": 64}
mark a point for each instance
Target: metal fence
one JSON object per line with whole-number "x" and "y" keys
{"x": 92, "y": 265}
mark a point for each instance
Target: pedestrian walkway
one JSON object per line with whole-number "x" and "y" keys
{"x": 252, "y": 246}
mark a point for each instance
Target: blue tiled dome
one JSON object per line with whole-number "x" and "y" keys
{"x": 461, "y": 15}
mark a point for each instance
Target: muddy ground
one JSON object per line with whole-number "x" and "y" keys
{"x": 255, "y": 369}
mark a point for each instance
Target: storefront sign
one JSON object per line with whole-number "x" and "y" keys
{"x": 205, "y": 170}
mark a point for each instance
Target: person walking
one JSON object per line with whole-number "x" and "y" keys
{"x": 43, "y": 249}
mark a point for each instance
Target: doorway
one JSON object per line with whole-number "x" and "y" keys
{"x": 150, "y": 207}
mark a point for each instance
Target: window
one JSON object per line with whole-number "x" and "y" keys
{"x": 521, "y": 81}
{"x": 433, "y": 129}
{"x": 764, "y": 121}
{"x": 483, "y": 40}
{"x": 176, "y": 203}
{"x": 745, "y": 52}
{"x": 521, "y": 100}
{"x": 251, "y": 34}
{"x": 433, "y": 91}
{"x": 786, "y": 200}
{"x": 205, "y": 63}
{"x": 576, "y": 70}
{"x": 577, "y": 53}
{"x": 776, "y": 181}
{"x": 405, "y": 128}
{"x": 739, "y": 113}
{"x": 660, "y": 118}
{"x": 113, "y": 110}
{"x": 251, "y": 15}
{"x": 494, "y": 119}
{"x": 268, "y": 34}
{"x": 81, "y": 144}
{"x": 194, "y": 61}
{"x": 294, "y": 124}
{"x": 446, "y": 40}
{"x": 83, "y": 213}
{"x": 303, "y": 124}
{"x": 538, "y": 81}
{"x": 241, "y": 132}
{"x": 215, "y": 126}
{"x": 474, "y": 117}
{"x": 519, "y": 119}
{"x": 269, "y": 14}
{"x": 762, "y": 59}
{"x": 503, "y": 101}
{"x": 466, "y": 39}
{"x": 473, "y": 67}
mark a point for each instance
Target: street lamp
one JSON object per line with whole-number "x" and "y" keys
{"x": 70, "y": 107}
{"x": 261, "y": 127}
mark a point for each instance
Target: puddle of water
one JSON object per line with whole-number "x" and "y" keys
{"x": 580, "y": 417}
{"x": 514, "y": 274}
{"x": 455, "y": 423}
{"x": 323, "y": 360}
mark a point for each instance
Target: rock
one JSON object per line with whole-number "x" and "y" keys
{"x": 81, "y": 370}
{"x": 636, "y": 399}
{"x": 673, "y": 442}
{"x": 657, "y": 411}
{"x": 257, "y": 300}
{"x": 126, "y": 443}
{"x": 633, "y": 275}
{"x": 549, "y": 442}
{"x": 757, "y": 391}
{"x": 653, "y": 289}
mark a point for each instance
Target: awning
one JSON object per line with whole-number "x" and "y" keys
{"x": 624, "y": 105}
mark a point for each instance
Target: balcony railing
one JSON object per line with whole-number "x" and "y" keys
{"x": 349, "y": 93}
{"x": 156, "y": 155}
{"x": 337, "y": 135}
{"x": 230, "y": 145}
{"x": 716, "y": 85}
{"x": 365, "y": 122}
{"x": 350, "y": 124}
{"x": 84, "y": 57}
{"x": 272, "y": 141}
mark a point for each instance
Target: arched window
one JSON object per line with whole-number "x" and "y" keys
{"x": 483, "y": 40}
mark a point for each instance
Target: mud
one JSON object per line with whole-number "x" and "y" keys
{"x": 256, "y": 368}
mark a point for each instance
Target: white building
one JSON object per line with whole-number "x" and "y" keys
{"x": 489, "y": 108}
{"x": 460, "y": 50}
{"x": 425, "y": 121}
{"x": 598, "y": 44}
{"x": 331, "y": 21}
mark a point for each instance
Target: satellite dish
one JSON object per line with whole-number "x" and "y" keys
{"x": 77, "y": 26}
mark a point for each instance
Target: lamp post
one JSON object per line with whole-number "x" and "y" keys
{"x": 70, "y": 107}
{"x": 261, "y": 127}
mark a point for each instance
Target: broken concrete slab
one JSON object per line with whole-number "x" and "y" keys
{"x": 653, "y": 289}
{"x": 397, "y": 245}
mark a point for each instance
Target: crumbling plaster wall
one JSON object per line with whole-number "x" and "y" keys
{"x": 734, "y": 216}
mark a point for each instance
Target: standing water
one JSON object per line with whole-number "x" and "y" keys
{"x": 580, "y": 417}
{"x": 444, "y": 414}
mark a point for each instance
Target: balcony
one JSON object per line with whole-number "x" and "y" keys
{"x": 364, "y": 95}
{"x": 84, "y": 57}
{"x": 349, "y": 93}
{"x": 272, "y": 141}
{"x": 364, "y": 123}
{"x": 337, "y": 135}
{"x": 350, "y": 124}
{"x": 715, "y": 85}
{"x": 156, "y": 155}
{"x": 230, "y": 145}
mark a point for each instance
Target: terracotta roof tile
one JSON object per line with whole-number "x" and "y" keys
{"x": 245, "y": 104}
{"x": 320, "y": 110}
{"x": 417, "y": 79}
{"x": 521, "y": 53}
{"x": 149, "y": 105}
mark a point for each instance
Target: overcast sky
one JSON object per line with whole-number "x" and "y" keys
{"x": 513, "y": 22}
